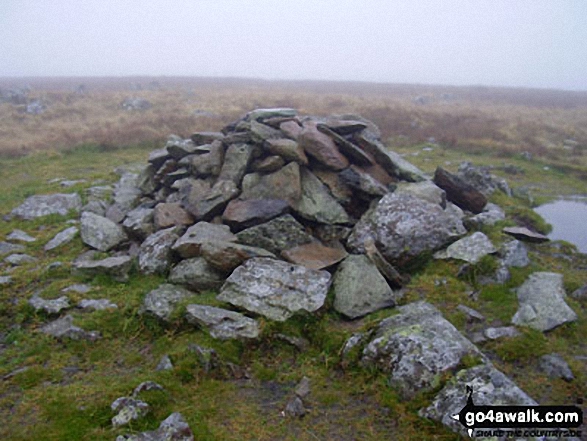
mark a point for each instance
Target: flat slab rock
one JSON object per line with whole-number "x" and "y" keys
{"x": 62, "y": 238}
{"x": 190, "y": 244}
{"x": 542, "y": 303}
{"x": 221, "y": 323}
{"x": 64, "y": 328}
{"x": 43, "y": 205}
{"x": 314, "y": 255}
{"x": 6, "y": 248}
{"x": 415, "y": 347}
{"x": 161, "y": 301}
{"x": 117, "y": 267}
{"x": 525, "y": 235}
{"x": 471, "y": 249}
{"x": 275, "y": 289}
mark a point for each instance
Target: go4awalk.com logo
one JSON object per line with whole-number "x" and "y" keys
{"x": 519, "y": 421}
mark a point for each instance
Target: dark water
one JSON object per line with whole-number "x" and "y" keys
{"x": 568, "y": 218}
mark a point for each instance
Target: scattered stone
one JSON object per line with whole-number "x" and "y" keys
{"x": 490, "y": 215}
{"x": 54, "y": 306}
{"x": 19, "y": 259}
{"x": 525, "y": 235}
{"x": 554, "y": 366}
{"x": 100, "y": 233}
{"x": 155, "y": 255}
{"x": 275, "y": 289}
{"x": 5, "y": 280}
{"x": 146, "y": 386}
{"x": 20, "y": 236}
{"x": 355, "y": 298}
{"x": 244, "y": 214}
{"x": 580, "y": 293}
{"x": 190, "y": 244}
{"x": 197, "y": 275}
{"x": 64, "y": 328}
{"x": 295, "y": 407}
{"x": 501, "y": 332}
{"x": 471, "y": 249}
{"x": 514, "y": 254}
{"x": 300, "y": 343}
{"x": 208, "y": 358}
{"x": 164, "y": 364}
{"x": 71, "y": 183}
{"x": 542, "y": 303}
{"x": 415, "y": 347}
{"x": 116, "y": 267}
{"x": 314, "y": 255}
{"x": 221, "y": 323}
{"x": 173, "y": 428}
{"x": 472, "y": 315}
{"x": 43, "y": 205}
{"x": 133, "y": 104}
{"x": 129, "y": 409}
{"x": 303, "y": 388}
{"x": 459, "y": 192}
{"x": 96, "y": 305}
{"x": 161, "y": 301}
{"x": 226, "y": 256}
{"x": 62, "y": 238}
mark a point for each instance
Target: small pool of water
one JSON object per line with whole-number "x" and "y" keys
{"x": 568, "y": 218}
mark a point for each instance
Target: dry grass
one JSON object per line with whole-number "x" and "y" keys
{"x": 506, "y": 121}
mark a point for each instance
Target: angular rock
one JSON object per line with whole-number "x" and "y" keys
{"x": 100, "y": 233}
{"x": 170, "y": 215}
{"x": 472, "y": 315}
{"x": 53, "y": 306}
{"x": 20, "y": 236}
{"x": 146, "y": 386}
{"x": 43, "y": 205}
{"x": 276, "y": 235}
{"x": 158, "y": 157}
{"x": 386, "y": 269}
{"x": 363, "y": 183}
{"x": 490, "y": 215}
{"x": 155, "y": 255}
{"x": 201, "y": 138}
{"x": 139, "y": 223}
{"x": 501, "y": 332}
{"x": 61, "y": 238}
{"x": 173, "y": 428}
{"x": 213, "y": 201}
{"x": 178, "y": 147}
{"x": 525, "y": 235}
{"x": 391, "y": 162}
{"x": 291, "y": 129}
{"x": 542, "y": 303}
{"x": 226, "y": 256}
{"x": 295, "y": 407}
{"x": 302, "y": 390}
{"x": 404, "y": 227}
{"x": 236, "y": 161}
{"x": 64, "y": 328}
{"x": 19, "y": 259}
{"x": 288, "y": 149}
{"x": 261, "y": 132}
{"x": 127, "y": 192}
{"x": 241, "y": 214}
{"x": 78, "y": 288}
{"x": 6, "y": 247}
{"x": 129, "y": 409}
{"x": 354, "y": 153}
{"x": 197, "y": 274}
{"x": 221, "y": 323}
{"x": 5, "y": 280}
{"x": 314, "y": 255}
{"x": 115, "y": 267}
{"x": 283, "y": 184}
{"x": 426, "y": 190}
{"x": 482, "y": 179}
{"x": 161, "y": 301}
{"x": 345, "y": 127}
{"x": 262, "y": 114}
{"x": 316, "y": 204}
{"x": 275, "y": 289}
{"x": 353, "y": 295}
{"x": 164, "y": 364}
{"x": 471, "y": 249}
{"x": 268, "y": 165}
{"x": 555, "y": 366}
{"x": 321, "y": 147}
{"x": 514, "y": 254}
{"x": 189, "y": 245}
{"x": 415, "y": 347}
{"x": 580, "y": 293}
{"x": 208, "y": 358}
{"x": 96, "y": 305}
{"x": 490, "y": 388}
{"x": 335, "y": 184}
{"x": 459, "y": 192}
{"x": 96, "y": 207}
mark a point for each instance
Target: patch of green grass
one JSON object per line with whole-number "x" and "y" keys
{"x": 529, "y": 346}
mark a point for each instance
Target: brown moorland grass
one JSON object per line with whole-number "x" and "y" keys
{"x": 505, "y": 121}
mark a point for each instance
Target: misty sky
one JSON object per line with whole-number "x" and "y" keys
{"x": 529, "y": 43}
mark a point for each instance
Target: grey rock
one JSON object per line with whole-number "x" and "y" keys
{"x": 54, "y": 306}
{"x": 100, "y": 233}
{"x": 501, "y": 332}
{"x": 167, "y": 215}
{"x": 99, "y": 192}
{"x": 201, "y": 138}
{"x": 490, "y": 388}
{"x": 542, "y": 302}
{"x": 197, "y": 274}
{"x": 173, "y": 428}
{"x": 275, "y": 289}
{"x": 363, "y": 183}
{"x": 221, "y": 323}
{"x": 127, "y": 192}
{"x": 241, "y": 214}
{"x": 415, "y": 347}
{"x": 71, "y": 183}
{"x": 262, "y": 132}
{"x": 78, "y": 288}
{"x": 190, "y": 244}
{"x": 426, "y": 190}
{"x": 20, "y": 236}
{"x": 158, "y": 157}
{"x": 359, "y": 288}
{"x": 482, "y": 179}
{"x": 208, "y": 358}
{"x": 62, "y": 238}
{"x": 580, "y": 293}
{"x": 139, "y": 223}
{"x": 321, "y": 147}
{"x": 19, "y": 259}
{"x": 276, "y": 235}
{"x": 161, "y": 301}
{"x": 316, "y": 204}
{"x": 283, "y": 184}
{"x": 404, "y": 227}
{"x": 43, "y": 205}
{"x": 5, "y": 280}
{"x": 459, "y": 191}
{"x": 236, "y": 161}
{"x": 490, "y": 215}
{"x": 300, "y": 343}
{"x": 146, "y": 386}
{"x": 287, "y": 149}
{"x": 178, "y": 147}
{"x": 116, "y": 267}
{"x": 64, "y": 328}
{"x": 471, "y": 249}
{"x": 129, "y": 409}
{"x": 164, "y": 364}
{"x": 115, "y": 213}
{"x": 555, "y": 366}
{"x": 212, "y": 202}
{"x": 295, "y": 407}
{"x": 514, "y": 254}
{"x": 355, "y": 154}
{"x": 525, "y": 235}
{"x": 145, "y": 180}
{"x": 155, "y": 255}
{"x": 6, "y": 247}
{"x": 303, "y": 388}
{"x": 314, "y": 255}
{"x": 472, "y": 315}
{"x": 226, "y": 256}
{"x": 136, "y": 104}
{"x": 96, "y": 305}
{"x": 262, "y": 114}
